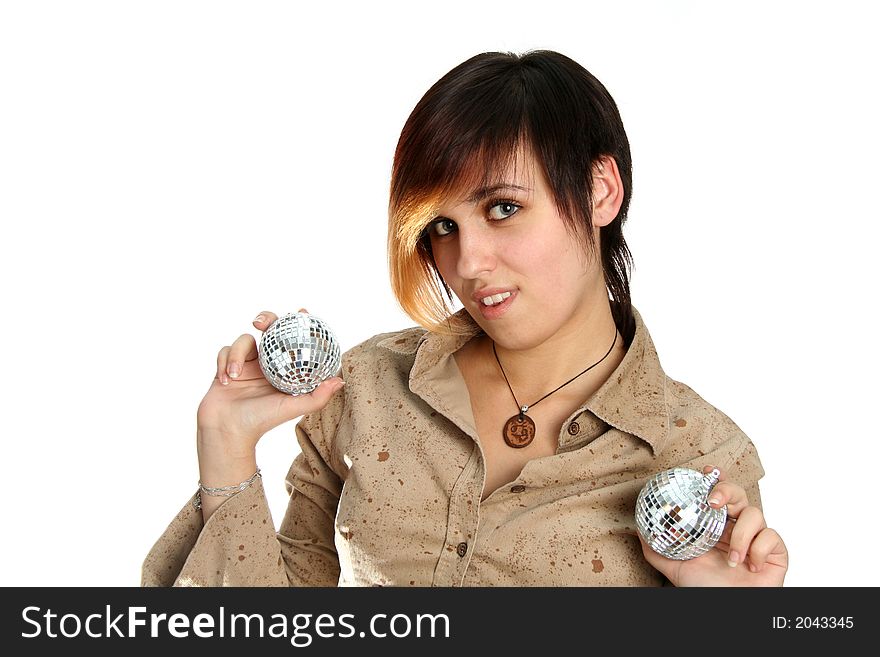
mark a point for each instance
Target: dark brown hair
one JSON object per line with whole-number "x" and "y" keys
{"x": 466, "y": 130}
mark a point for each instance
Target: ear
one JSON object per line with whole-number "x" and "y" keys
{"x": 607, "y": 191}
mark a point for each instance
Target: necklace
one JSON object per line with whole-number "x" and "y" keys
{"x": 519, "y": 430}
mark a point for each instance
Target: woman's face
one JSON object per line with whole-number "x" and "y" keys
{"x": 512, "y": 239}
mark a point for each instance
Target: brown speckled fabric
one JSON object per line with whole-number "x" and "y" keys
{"x": 387, "y": 488}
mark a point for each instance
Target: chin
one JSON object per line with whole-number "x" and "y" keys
{"x": 518, "y": 338}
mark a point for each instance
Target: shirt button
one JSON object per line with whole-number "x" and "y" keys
{"x": 573, "y": 429}
{"x": 461, "y": 549}
{"x": 517, "y": 489}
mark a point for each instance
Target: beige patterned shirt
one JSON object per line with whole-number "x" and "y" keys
{"x": 386, "y": 491}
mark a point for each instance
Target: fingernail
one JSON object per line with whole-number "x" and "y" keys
{"x": 338, "y": 385}
{"x": 713, "y": 501}
{"x": 259, "y": 318}
{"x": 732, "y": 558}
{"x": 223, "y": 380}
{"x": 753, "y": 568}
{"x": 234, "y": 370}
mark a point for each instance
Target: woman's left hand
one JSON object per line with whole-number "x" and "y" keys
{"x": 748, "y": 553}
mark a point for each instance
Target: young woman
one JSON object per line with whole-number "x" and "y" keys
{"x": 503, "y": 444}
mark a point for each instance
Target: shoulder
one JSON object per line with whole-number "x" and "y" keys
{"x": 698, "y": 430}
{"x": 404, "y": 342}
{"x": 381, "y": 354}
{"x": 686, "y": 406}
{"x": 376, "y": 368}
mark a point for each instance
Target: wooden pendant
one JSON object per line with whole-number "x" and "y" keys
{"x": 519, "y": 430}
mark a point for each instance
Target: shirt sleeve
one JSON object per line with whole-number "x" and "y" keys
{"x": 738, "y": 460}
{"x": 745, "y": 470}
{"x": 239, "y": 545}
{"x": 236, "y": 547}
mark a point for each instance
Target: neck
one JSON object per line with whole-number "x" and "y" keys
{"x": 537, "y": 370}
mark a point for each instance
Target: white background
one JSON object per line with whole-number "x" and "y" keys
{"x": 169, "y": 169}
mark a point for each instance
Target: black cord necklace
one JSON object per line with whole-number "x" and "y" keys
{"x": 519, "y": 430}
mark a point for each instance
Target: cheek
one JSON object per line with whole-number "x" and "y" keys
{"x": 553, "y": 271}
{"x": 441, "y": 258}
{"x": 445, "y": 260}
{"x": 546, "y": 262}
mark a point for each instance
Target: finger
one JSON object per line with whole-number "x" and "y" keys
{"x": 722, "y": 476}
{"x": 243, "y": 349}
{"x": 222, "y": 357}
{"x": 264, "y": 319}
{"x": 748, "y": 525}
{"x": 303, "y": 310}
{"x": 296, "y": 405}
{"x": 731, "y": 494}
{"x": 767, "y": 546}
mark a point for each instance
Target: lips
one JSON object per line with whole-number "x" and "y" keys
{"x": 495, "y": 299}
{"x": 499, "y": 309}
{"x": 481, "y": 294}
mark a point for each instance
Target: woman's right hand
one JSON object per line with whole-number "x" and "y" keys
{"x": 241, "y": 405}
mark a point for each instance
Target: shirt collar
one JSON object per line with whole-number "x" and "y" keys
{"x": 632, "y": 399}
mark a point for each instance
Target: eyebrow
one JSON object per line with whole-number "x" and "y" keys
{"x": 485, "y": 192}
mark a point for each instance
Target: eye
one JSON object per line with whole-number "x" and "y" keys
{"x": 496, "y": 211}
{"x": 438, "y": 227}
{"x": 505, "y": 209}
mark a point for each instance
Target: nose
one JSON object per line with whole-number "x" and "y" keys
{"x": 476, "y": 254}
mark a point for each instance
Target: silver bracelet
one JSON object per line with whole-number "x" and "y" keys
{"x": 222, "y": 491}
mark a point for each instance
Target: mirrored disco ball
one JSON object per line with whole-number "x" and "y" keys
{"x": 674, "y": 517}
{"x": 297, "y": 352}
